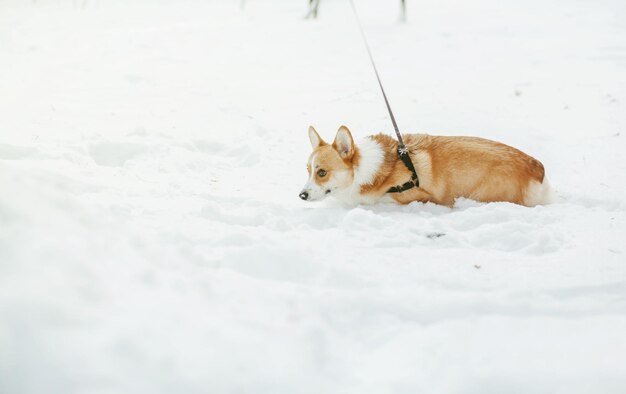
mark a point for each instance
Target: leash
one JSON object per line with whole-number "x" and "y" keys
{"x": 403, "y": 152}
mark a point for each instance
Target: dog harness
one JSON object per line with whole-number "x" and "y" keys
{"x": 403, "y": 154}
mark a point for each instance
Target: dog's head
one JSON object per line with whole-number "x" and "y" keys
{"x": 330, "y": 166}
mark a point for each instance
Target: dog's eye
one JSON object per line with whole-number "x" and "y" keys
{"x": 321, "y": 173}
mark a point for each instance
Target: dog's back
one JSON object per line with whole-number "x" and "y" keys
{"x": 477, "y": 168}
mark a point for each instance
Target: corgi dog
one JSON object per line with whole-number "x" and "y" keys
{"x": 448, "y": 168}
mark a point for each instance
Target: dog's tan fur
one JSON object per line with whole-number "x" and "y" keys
{"x": 448, "y": 168}
{"x": 452, "y": 167}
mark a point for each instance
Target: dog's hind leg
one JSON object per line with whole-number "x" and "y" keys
{"x": 539, "y": 193}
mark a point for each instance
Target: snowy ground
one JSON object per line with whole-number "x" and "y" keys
{"x": 152, "y": 240}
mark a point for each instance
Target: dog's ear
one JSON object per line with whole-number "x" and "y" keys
{"x": 315, "y": 138}
{"x": 344, "y": 144}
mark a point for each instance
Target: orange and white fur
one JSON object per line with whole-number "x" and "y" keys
{"x": 448, "y": 168}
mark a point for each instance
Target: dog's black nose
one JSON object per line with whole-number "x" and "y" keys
{"x": 304, "y": 195}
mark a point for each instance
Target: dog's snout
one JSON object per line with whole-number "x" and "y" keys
{"x": 304, "y": 195}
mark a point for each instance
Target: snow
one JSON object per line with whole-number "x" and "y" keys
{"x": 152, "y": 239}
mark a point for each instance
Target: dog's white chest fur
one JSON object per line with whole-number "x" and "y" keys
{"x": 372, "y": 156}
